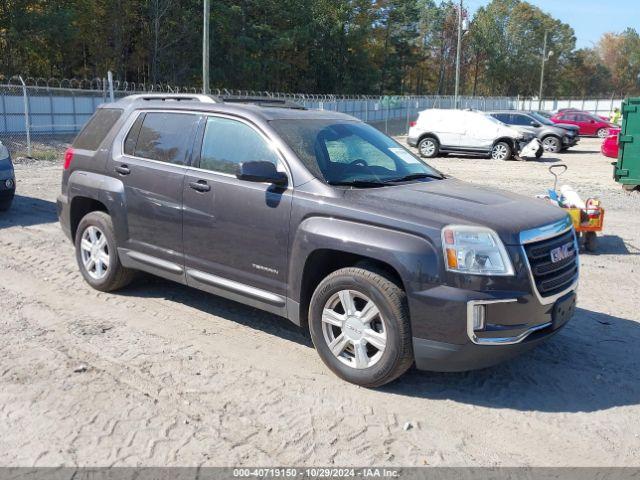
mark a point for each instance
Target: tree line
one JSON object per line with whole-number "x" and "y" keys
{"x": 315, "y": 46}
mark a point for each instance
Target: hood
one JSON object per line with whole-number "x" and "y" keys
{"x": 510, "y": 131}
{"x": 437, "y": 203}
{"x": 567, "y": 126}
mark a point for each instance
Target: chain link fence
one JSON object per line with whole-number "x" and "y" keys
{"x": 39, "y": 117}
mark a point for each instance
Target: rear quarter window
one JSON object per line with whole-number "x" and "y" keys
{"x": 97, "y": 128}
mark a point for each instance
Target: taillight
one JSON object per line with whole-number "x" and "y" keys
{"x": 412, "y": 124}
{"x": 68, "y": 157}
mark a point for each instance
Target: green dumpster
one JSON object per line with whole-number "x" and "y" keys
{"x": 627, "y": 168}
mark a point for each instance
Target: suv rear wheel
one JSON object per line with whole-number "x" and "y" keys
{"x": 359, "y": 324}
{"x": 97, "y": 255}
{"x": 428, "y": 147}
{"x": 501, "y": 151}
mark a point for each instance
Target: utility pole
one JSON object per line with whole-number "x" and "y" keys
{"x": 205, "y": 47}
{"x": 455, "y": 98}
{"x": 544, "y": 59}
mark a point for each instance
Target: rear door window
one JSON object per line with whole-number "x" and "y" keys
{"x": 97, "y": 128}
{"x": 165, "y": 137}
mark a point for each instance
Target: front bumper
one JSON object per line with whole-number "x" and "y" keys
{"x": 516, "y": 317}
{"x": 448, "y": 357}
{"x": 570, "y": 141}
{"x": 7, "y": 192}
{"x": 412, "y": 141}
{"x": 515, "y": 322}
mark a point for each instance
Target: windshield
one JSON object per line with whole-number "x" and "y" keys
{"x": 344, "y": 152}
{"x": 541, "y": 118}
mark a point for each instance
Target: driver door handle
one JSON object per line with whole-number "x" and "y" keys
{"x": 200, "y": 186}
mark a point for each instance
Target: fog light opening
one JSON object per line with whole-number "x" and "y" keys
{"x": 478, "y": 317}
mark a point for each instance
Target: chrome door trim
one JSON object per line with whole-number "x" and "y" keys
{"x": 236, "y": 287}
{"x": 153, "y": 261}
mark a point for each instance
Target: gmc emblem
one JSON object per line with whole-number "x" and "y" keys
{"x": 560, "y": 253}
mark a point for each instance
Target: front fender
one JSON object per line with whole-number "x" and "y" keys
{"x": 416, "y": 259}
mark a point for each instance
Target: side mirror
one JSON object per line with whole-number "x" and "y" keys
{"x": 534, "y": 124}
{"x": 262, "y": 172}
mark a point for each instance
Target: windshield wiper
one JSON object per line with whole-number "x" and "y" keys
{"x": 356, "y": 183}
{"x": 414, "y": 176}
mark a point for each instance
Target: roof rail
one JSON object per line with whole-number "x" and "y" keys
{"x": 175, "y": 97}
{"x": 264, "y": 102}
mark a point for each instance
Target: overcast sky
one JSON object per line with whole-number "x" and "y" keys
{"x": 589, "y": 18}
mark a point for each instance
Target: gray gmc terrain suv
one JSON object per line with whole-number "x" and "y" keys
{"x": 320, "y": 218}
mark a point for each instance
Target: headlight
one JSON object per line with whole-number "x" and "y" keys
{"x": 474, "y": 250}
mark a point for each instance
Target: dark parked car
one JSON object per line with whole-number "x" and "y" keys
{"x": 7, "y": 179}
{"x": 320, "y": 218}
{"x": 554, "y": 138}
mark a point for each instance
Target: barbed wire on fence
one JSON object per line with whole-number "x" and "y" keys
{"x": 38, "y": 115}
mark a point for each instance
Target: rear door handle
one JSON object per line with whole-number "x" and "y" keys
{"x": 200, "y": 186}
{"x": 123, "y": 170}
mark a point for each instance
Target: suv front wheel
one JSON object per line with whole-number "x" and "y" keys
{"x": 97, "y": 255}
{"x": 359, "y": 324}
{"x": 501, "y": 151}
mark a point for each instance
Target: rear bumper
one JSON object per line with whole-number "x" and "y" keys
{"x": 412, "y": 141}
{"x": 62, "y": 207}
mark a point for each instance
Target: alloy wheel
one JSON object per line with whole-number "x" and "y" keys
{"x": 550, "y": 145}
{"x": 427, "y": 148}
{"x": 354, "y": 329}
{"x": 95, "y": 252}
{"x": 499, "y": 152}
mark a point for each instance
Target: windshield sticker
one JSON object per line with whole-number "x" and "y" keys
{"x": 404, "y": 155}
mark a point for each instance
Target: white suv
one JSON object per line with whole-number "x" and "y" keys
{"x": 464, "y": 131}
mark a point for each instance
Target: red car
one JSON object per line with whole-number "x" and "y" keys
{"x": 610, "y": 145}
{"x": 589, "y": 124}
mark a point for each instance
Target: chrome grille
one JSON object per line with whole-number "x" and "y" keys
{"x": 551, "y": 277}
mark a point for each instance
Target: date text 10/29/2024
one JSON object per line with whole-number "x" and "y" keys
{"x": 316, "y": 473}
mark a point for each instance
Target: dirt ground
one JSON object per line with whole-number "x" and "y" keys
{"x": 162, "y": 375}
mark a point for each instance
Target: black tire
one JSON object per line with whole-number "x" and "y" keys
{"x": 428, "y": 147}
{"x": 116, "y": 276}
{"x": 591, "y": 241}
{"x": 539, "y": 153}
{"x": 602, "y": 132}
{"x": 502, "y": 151}
{"x": 391, "y": 302}
{"x": 552, "y": 144}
